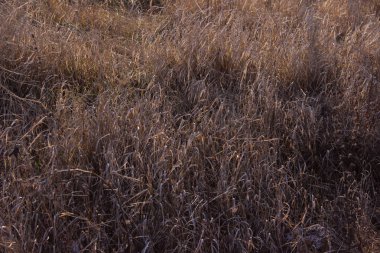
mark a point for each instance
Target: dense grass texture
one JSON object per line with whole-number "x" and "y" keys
{"x": 190, "y": 126}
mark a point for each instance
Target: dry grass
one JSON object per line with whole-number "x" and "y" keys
{"x": 189, "y": 126}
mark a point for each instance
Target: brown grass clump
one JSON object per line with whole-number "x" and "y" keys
{"x": 189, "y": 126}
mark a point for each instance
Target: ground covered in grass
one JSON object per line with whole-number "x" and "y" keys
{"x": 189, "y": 126}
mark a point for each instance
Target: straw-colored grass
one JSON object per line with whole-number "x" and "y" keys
{"x": 189, "y": 126}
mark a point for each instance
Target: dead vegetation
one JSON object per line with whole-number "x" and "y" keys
{"x": 189, "y": 126}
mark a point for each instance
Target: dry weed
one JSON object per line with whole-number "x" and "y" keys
{"x": 189, "y": 126}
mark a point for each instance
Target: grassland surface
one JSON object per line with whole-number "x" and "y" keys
{"x": 190, "y": 126}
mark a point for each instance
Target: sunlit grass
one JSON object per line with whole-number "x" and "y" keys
{"x": 189, "y": 126}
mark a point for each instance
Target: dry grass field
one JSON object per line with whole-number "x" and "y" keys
{"x": 189, "y": 126}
